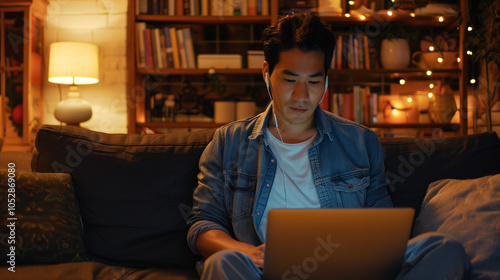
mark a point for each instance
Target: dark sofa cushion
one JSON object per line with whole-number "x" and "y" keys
{"x": 134, "y": 191}
{"x": 412, "y": 164}
{"x": 43, "y": 218}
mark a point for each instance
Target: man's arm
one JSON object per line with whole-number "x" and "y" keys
{"x": 212, "y": 241}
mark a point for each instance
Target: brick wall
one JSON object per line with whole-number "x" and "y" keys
{"x": 102, "y": 22}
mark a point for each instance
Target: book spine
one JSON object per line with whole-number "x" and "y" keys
{"x": 171, "y": 7}
{"x": 168, "y": 48}
{"x": 182, "y": 49}
{"x": 140, "y": 49}
{"x": 147, "y": 47}
{"x": 252, "y": 7}
{"x": 175, "y": 47}
{"x": 189, "y": 47}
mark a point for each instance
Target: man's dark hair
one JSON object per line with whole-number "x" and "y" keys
{"x": 305, "y": 31}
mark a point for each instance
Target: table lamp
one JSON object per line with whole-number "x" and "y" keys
{"x": 73, "y": 63}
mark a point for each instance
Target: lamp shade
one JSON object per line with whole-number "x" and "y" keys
{"x": 73, "y": 63}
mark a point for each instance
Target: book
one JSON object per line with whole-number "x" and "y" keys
{"x": 182, "y": 49}
{"x": 252, "y": 7}
{"x": 228, "y": 7}
{"x": 366, "y": 51}
{"x": 168, "y": 48}
{"x": 171, "y": 7}
{"x": 140, "y": 49}
{"x": 217, "y": 7}
{"x": 175, "y": 48}
{"x": 204, "y": 7}
{"x": 188, "y": 43}
{"x": 148, "y": 49}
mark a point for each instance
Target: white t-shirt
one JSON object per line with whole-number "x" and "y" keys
{"x": 293, "y": 185}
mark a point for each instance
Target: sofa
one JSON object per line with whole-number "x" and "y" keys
{"x": 91, "y": 205}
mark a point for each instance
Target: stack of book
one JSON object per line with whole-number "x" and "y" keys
{"x": 166, "y": 47}
{"x": 203, "y": 7}
{"x": 360, "y": 105}
{"x": 354, "y": 51}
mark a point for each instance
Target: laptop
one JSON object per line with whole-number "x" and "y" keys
{"x": 367, "y": 243}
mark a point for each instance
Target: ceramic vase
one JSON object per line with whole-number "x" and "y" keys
{"x": 224, "y": 111}
{"x": 395, "y": 54}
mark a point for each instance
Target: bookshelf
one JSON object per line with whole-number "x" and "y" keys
{"x": 21, "y": 24}
{"x": 230, "y": 34}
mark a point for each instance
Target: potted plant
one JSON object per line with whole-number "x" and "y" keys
{"x": 484, "y": 42}
{"x": 224, "y": 107}
{"x": 395, "y": 47}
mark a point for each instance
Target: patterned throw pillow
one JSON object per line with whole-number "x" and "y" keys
{"x": 43, "y": 223}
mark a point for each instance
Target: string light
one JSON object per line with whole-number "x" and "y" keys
{"x": 431, "y": 48}
{"x": 389, "y": 13}
{"x": 431, "y": 85}
{"x": 469, "y": 52}
{"x": 429, "y": 72}
{"x": 412, "y": 14}
{"x": 440, "y": 59}
{"x": 472, "y": 81}
{"x": 351, "y": 3}
{"x": 469, "y": 28}
{"x": 410, "y": 100}
{"x": 362, "y": 17}
{"x": 402, "y": 82}
{"x": 441, "y": 19}
{"x": 458, "y": 59}
{"x": 430, "y": 95}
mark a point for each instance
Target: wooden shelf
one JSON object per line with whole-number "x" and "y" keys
{"x": 220, "y": 41}
{"x": 205, "y": 19}
{"x": 383, "y": 20}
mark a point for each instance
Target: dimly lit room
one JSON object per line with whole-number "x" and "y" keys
{"x": 249, "y": 139}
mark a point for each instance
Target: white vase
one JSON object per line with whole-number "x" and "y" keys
{"x": 395, "y": 54}
{"x": 245, "y": 109}
{"x": 224, "y": 111}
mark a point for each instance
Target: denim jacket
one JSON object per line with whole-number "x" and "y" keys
{"x": 237, "y": 170}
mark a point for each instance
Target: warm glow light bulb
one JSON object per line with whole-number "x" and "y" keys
{"x": 362, "y": 17}
{"x": 440, "y": 59}
{"x": 347, "y": 15}
{"x": 410, "y": 100}
{"x": 458, "y": 59}
{"x": 429, "y": 72}
{"x": 431, "y": 86}
{"x": 402, "y": 81}
{"x": 412, "y": 14}
{"x": 472, "y": 81}
{"x": 389, "y": 13}
{"x": 469, "y": 28}
{"x": 441, "y": 19}
{"x": 469, "y": 52}
{"x": 431, "y": 48}
{"x": 351, "y": 3}
{"x": 430, "y": 95}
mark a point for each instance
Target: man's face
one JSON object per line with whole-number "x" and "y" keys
{"x": 297, "y": 86}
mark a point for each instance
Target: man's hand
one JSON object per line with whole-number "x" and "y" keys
{"x": 215, "y": 240}
{"x": 257, "y": 255}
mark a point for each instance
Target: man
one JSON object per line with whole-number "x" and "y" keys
{"x": 292, "y": 156}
